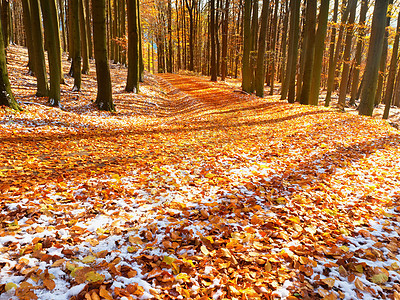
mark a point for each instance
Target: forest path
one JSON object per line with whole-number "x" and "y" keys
{"x": 193, "y": 189}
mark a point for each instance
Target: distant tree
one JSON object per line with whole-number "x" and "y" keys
{"x": 6, "y": 95}
{"x": 132, "y": 84}
{"x": 104, "y": 90}
{"x": 373, "y": 58}
{"x": 84, "y": 37}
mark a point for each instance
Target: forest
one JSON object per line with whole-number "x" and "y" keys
{"x": 199, "y": 149}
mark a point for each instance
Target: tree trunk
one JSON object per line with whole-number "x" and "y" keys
{"x": 382, "y": 68}
{"x": 212, "y": 35}
{"x": 6, "y": 95}
{"x": 333, "y": 63}
{"x": 246, "y": 71}
{"x": 392, "y": 71}
{"x": 309, "y": 58}
{"x": 346, "y": 59}
{"x": 373, "y": 59}
{"x": 28, "y": 33}
{"x": 84, "y": 37}
{"x": 64, "y": 39}
{"x": 76, "y": 56}
{"x": 132, "y": 83}
{"x": 89, "y": 27}
{"x": 52, "y": 35}
{"x": 358, "y": 55}
{"x": 260, "y": 71}
{"x": 319, "y": 52}
{"x": 104, "y": 93}
{"x": 225, "y": 27}
{"x": 288, "y": 90}
{"x": 5, "y": 15}
{"x": 40, "y": 64}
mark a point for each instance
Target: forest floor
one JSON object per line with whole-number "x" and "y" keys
{"x": 194, "y": 190}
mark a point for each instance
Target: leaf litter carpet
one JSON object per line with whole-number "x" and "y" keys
{"x": 194, "y": 191}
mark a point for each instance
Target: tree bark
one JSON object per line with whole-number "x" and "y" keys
{"x": 132, "y": 83}
{"x": 28, "y": 33}
{"x": 6, "y": 95}
{"x": 212, "y": 35}
{"x": 392, "y": 71}
{"x": 40, "y": 64}
{"x": 260, "y": 71}
{"x": 104, "y": 91}
{"x": 373, "y": 59}
{"x": 52, "y": 34}
{"x": 346, "y": 59}
{"x": 224, "y": 54}
{"x": 319, "y": 52}
{"x": 84, "y": 37}
{"x": 76, "y": 56}
{"x": 309, "y": 57}
{"x": 358, "y": 55}
{"x": 246, "y": 71}
{"x": 333, "y": 63}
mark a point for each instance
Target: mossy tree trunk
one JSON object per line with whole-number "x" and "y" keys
{"x": 104, "y": 89}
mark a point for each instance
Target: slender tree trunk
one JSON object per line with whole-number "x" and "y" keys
{"x": 246, "y": 70}
{"x": 260, "y": 71}
{"x": 382, "y": 68}
{"x": 123, "y": 32}
{"x": 6, "y": 95}
{"x": 319, "y": 52}
{"x": 132, "y": 84}
{"x": 28, "y": 32}
{"x": 282, "y": 67}
{"x": 63, "y": 34}
{"x": 373, "y": 59}
{"x": 346, "y": 59}
{"x": 76, "y": 56}
{"x": 289, "y": 88}
{"x": 392, "y": 71}
{"x": 141, "y": 64}
{"x": 358, "y": 55}
{"x": 212, "y": 35}
{"x": 332, "y": 67}
{"x": 84, "y": 37}
{"x": 89, "y": 27}
{"x": 40, "y": 63}
{"x": 104, "y": 90}
{"x": 273, "y": 47}
{"x": 51, "y": 30}
{"x": 225, "y": 24}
